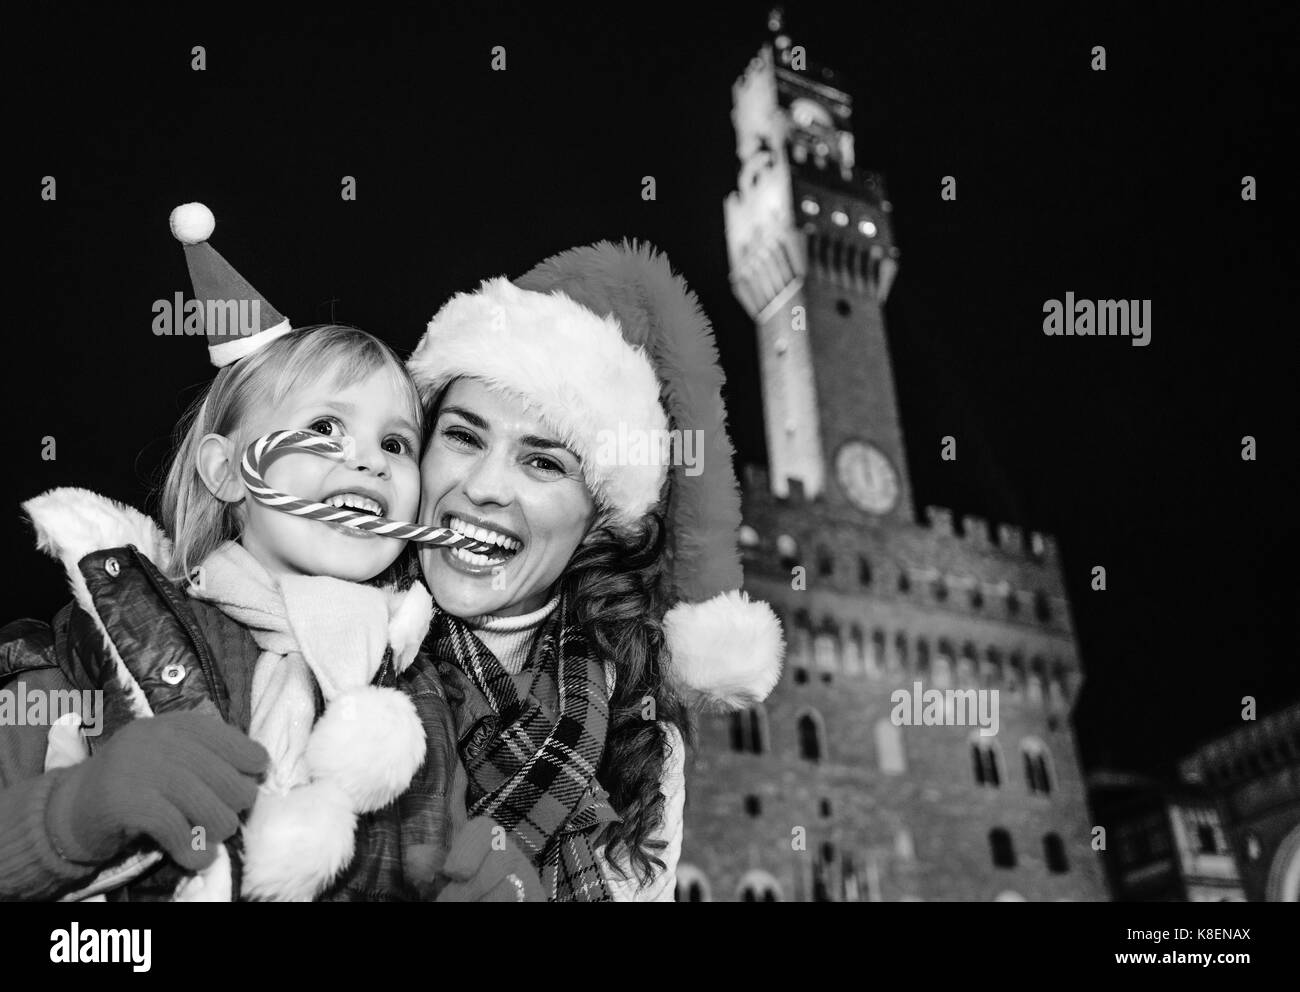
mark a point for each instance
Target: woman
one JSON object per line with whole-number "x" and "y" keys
{"x": 567, "y": 654}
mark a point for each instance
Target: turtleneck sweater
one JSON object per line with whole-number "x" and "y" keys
{"x": 511, "y": 638}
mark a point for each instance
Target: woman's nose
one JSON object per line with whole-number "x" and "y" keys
{"x": 488, "y": 480}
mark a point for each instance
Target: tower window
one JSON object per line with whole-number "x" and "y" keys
{"x": 864, "y": 571}
{"x": 1205, "y": 838}
{"x": 801, "y": 676}
{"x": 1054, "y": 852}
{"x": 976, "y": 598}
{"x": 747, "y": 731}
{"x": 904, "y": 581}
{"x": 842, "y": 308}
{"x": 810, "y": 738}
{"x": 985, "y": 760}
{"x": 826, "y": 807}
{"x": 825, "y": 563}
{"x": 753, "y": 806}
{"x": 1042, "y": 608}
{"x": 1004, "y": 854}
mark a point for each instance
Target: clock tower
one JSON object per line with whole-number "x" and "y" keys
{"x": 812, "y": 260}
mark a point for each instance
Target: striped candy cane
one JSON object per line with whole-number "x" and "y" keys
{"x": 258, "y": 457}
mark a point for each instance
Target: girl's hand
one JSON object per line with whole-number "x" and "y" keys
{"x": 485, "y": 865}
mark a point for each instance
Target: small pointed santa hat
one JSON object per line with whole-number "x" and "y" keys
{"x": 605, "y": 342}
{"x": 232, "y": 331}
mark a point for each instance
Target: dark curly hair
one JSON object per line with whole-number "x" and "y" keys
{"x": 612, "y": 585}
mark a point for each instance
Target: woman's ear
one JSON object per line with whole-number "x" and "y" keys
{"x": 216, "y": 464}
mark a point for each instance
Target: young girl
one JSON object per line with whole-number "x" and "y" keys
{"x": 290, "y": 634}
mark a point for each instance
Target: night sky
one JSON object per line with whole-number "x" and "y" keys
{"x": 1116, "y": 184}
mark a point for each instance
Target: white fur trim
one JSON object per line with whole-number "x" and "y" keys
{"x": 296, "y": 843}
{"x": 369, "y": 743}
{"x": 726, "y": 651}
{"x": 574, "y": 368}
{"x": 215, "y": 883}
{"x": 408, "y": 624}
{"x": 234, "y": 349}
{"x": 72, "y": 523}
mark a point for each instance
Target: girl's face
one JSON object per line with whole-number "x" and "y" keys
{"x": 496, "y": 472}
{"x": 380, "y": 475}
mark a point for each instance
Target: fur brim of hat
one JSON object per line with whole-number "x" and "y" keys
{"x": 570, "y": 366}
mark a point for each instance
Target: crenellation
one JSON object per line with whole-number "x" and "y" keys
{"x": 940, "y": 520}
{"x": 1011, "y": 539}
{"x": 976, "y": 530}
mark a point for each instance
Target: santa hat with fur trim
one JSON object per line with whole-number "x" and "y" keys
{"x": 607, "y": 345}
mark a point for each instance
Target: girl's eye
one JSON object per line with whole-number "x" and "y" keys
{"x": 326, "y": 426}
{"x": 398, "y": 445}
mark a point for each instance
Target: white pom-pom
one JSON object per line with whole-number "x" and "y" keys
{"x": 295, "y": 844}
{"x": 192, "y": 223}
{"x": 369, "y": 742}
{"x": 726, "y": 651}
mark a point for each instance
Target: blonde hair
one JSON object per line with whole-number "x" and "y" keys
{"x": 196, "y": 520}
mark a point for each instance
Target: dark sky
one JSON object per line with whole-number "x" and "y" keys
{"x": 1115, "y": 184}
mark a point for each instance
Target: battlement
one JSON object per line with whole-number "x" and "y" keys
{"x": 1010, "y": 540}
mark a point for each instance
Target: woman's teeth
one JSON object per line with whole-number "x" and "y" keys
{"x": 508, "y": 545}
{"x": 355, "y": 501}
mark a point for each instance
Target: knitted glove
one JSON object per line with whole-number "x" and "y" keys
{"x": 157, "y": 777}
{"x": 476, "y": 872}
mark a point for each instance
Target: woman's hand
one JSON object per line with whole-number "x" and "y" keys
{"x": 162, "y": 777}
{"x": 484, "y": 865}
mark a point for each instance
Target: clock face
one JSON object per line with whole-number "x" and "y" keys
{"x": 866, "y": 477}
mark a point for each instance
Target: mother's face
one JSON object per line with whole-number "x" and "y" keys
{"x": 495, "y": 471}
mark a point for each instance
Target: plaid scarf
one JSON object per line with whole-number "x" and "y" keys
{"x": 532, "y": 762}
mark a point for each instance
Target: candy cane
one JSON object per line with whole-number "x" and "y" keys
{"x": 259, "y": 455}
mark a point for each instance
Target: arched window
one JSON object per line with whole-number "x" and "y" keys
{"x": 692, "y": 885}
{"x": 757, "y": 886}
{"x": 922, "y": 657}
{"x": 967, "y": 666}
{"x": 904, "y": 580}
{"x": 976, "y": 597}
{"x": 853, "y": 649}
{"x": 864, "y": 571}
{"x": 941, "y": 676}
{"x": 900, "y": 661}
{"x": 825, "y": 564}
{"x": 1054, "y": 852}
{"x": 992, "y": 668}
{"x": 889, "y": 747}
{"x": 1004, "y": 854}
{"x": 1035, "y": 691}
{"x": 986, "y": 760}
{"x": 875, "y": 659}
{"x": 1042, "y": 607}
{"x": 1038, "y": 774}
{"x": 1013, "y": 603}
{"x": 1016, "y": 676}
{"x": 811, "y": 737}
{"x": 753, "y": 805}
{"x": 749, "y": 730}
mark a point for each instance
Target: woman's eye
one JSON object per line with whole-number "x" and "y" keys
{"x": 546, "y": 464}
{"x": 328, "y": 426}
{"x": 459, "y": 435}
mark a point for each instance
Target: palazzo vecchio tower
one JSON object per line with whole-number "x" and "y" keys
{"x": 818, "y": 794}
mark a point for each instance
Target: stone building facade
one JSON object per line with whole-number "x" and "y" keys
{"x": 833, "y": 790}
